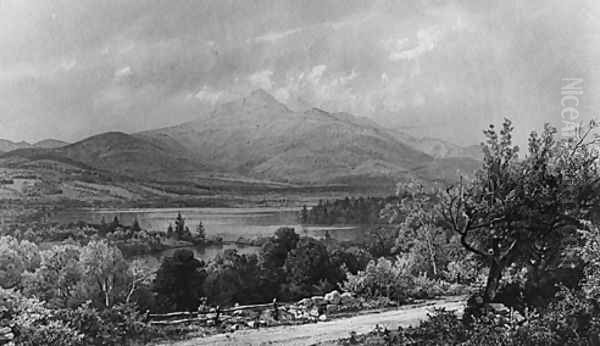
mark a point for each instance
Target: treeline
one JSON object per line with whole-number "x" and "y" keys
{"x": 287, "y": 267}
{"x": 350, "y": 210}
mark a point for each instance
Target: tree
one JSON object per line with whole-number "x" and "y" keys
{"x": 200, "y": 232}
{"x": 16, "y": 258}
{"x": 275, "y": 251}
{"x": 11, "y": 263}
{"x": 418, "y": 226}
{"x": 59, "y": 278}
{"x": 178, "y": 281}
{"x": 141, "y": 273}
{"x": 234, "y": 278}
{"x": 308, "y": 264}
{"x": 105, "y": 271}
{"x": 519, "y": 212}
{"x": 304, "y": 214}
{"x": 179, "y": 224}
{"x": 115, "y": 224}
{"x": 135, "y": 227}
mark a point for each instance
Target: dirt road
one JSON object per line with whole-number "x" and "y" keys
{"x": 322, "y": 332}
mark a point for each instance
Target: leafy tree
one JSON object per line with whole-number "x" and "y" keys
{"x": 307, "y": 265}
{"x": 141, "y": 275}
{"x": 234, "y": 278}
{"x": 58, "y": 280}
{"x": 11, "y": 262}
{"x": 105, "y": 271}
{"x": 419, "y": 233}
{"x": 275, "y": 251}
{"x": 178, "y": 281}
{"x": 520, "y": 212}
{"x": 16, "y": 258}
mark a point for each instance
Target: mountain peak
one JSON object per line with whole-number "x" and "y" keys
{"x": 262, "y": 97}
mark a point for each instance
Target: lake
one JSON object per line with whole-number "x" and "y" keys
{"x": 228, "y": 223}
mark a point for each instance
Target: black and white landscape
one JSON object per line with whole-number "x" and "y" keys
{"x": 325, "y": 172}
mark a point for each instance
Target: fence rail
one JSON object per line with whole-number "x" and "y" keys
{"x": 217, "y": 315}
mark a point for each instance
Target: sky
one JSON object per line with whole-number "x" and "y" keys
{"x": 439, "y": 68}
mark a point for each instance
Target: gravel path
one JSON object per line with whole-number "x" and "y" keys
{"x": 324, "y": 332}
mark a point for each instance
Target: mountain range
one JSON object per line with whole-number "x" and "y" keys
{"x": 6, "y": 145}
{"x": 257, "y": 137}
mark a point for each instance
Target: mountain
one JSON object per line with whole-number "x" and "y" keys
{"x": 120, "y": 153}
{"x": 49, "y": 143}
{"x": 257, "y": 138}
{"x": 440, "y": 149}
{"x": 6, "y": 145}
{"x": 260, "y": 137}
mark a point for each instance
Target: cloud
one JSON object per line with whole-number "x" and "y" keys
{"x": 426, "y": 40}
{"x": 261, "y": 79}
{"x": 123, "y": 72}
{"x": 270, "y": 37}
{"x": 211, "y": 96}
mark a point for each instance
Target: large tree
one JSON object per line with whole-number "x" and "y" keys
{"x": 520, "y": 211}
{"x": 178, "y": 281}
{"x": 105, "y": 271}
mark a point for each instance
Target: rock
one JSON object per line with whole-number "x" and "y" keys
{"x": 251, "y": 324}
{"x": 333, "y": 297}
{"x": 314, "y": 312}
{"x": 331, "y": 309}
{"x": 305, "y": 302}
{"x": 347, "y": 298}
{"x": 318, "y": 300}
{"x": 500, "y": 309}
{"x": 323, "y": 318}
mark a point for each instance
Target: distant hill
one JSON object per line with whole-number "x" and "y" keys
{"x": 440, "y": 149}
{"x": 6, "y": 145}
{"x": 257, "y": 138}
{"x": 50, "y": 143}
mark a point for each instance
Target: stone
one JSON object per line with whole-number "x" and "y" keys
{"x": 314, "y": 312}
{"x": 333, "y": 297}
{"x": 318, "y": 300}
{"x": 347, "y": 298}
{"x": 251, "y": 324}
{"x": 331, "y": 309}
{"x": 323, "y": 318}
{"x": 500, "y": 309}
{"x": 305, "y": 302}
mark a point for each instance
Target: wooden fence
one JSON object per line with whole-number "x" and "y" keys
{"x": 217, "y": 315}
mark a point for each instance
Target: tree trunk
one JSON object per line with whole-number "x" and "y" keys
{"x": 431, "y": 251}
{"x": 493, "y": 281}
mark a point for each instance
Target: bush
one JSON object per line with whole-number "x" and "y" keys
{"x": 33, "y": 323}
{"x": 120, "y": 325}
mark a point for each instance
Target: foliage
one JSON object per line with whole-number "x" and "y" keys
{"x": 307, "y": 266}
{"x": 523, "y": 211}
{"x": 58, "y": 279}
{"x": 34, "y": 324}
{"x": 178, "y": 282}
{"x": 234, "y": 278}
{"x": 355, "y": 211}
{"x": 16, "y": 258}
{"x": 105, "y": 272}
{"x": 122, "y": 324}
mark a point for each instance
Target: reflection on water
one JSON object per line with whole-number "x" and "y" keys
{"x": 228, "y": 223}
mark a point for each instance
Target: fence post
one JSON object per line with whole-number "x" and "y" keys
{"x": 275, "y": 310}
